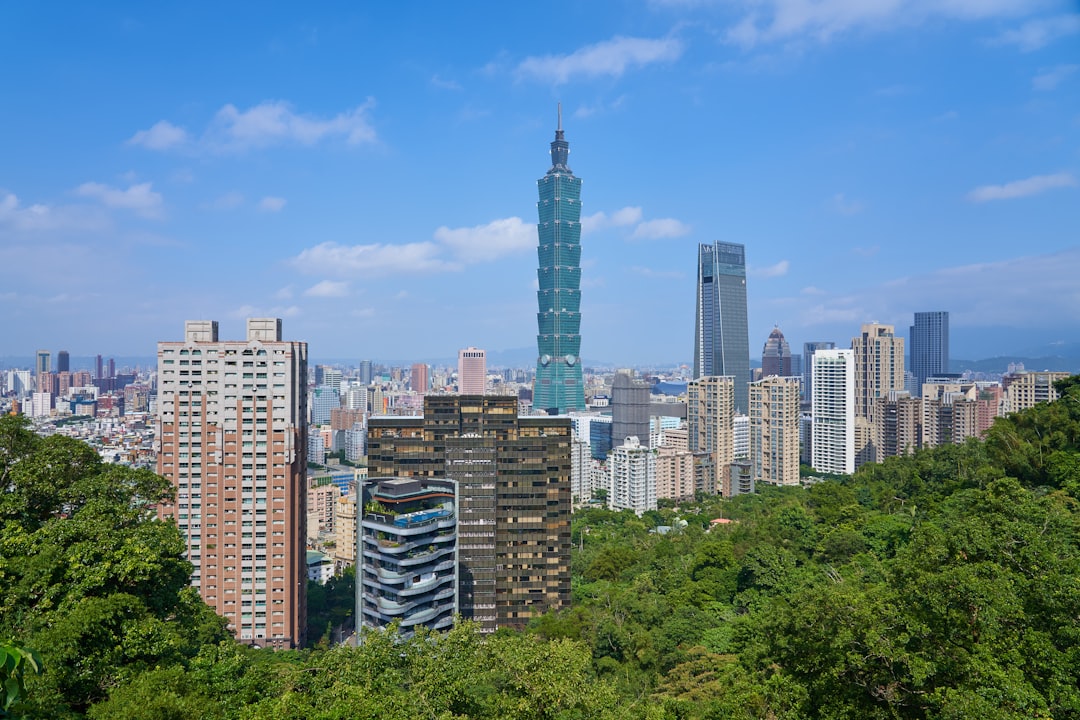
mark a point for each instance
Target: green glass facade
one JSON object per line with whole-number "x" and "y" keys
{"x": 559, "y": 388}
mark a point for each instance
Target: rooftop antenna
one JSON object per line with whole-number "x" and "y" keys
{"x": 560, "y": 117}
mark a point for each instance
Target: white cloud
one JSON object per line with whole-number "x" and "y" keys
{"x": 600, "y": 106}
{"x": 767, "y": 21}
{"x": 660, "y": 229}
{"x": 1021, "y": 188}
{"x": 1050, "y": 78}
{"x": 250, "y": 311}
{"x": 1040, "y": 32}
{"x": 162, "y": 135}
{"x": 330, "y": 258}
{"x": 488, "y": 242}
{"x": 771, "y": 271}
{"x": 264, "y": 125}
{"x": 272, "y": 204}
{"x": 445, "y": 84}
{"x": 620, "y": 218}
{"x": 608, "y": 58}
{"x": 284, "y": 293}
{"x": 328, "y": 289}
{"x": 844, "y": 206}
{"x": 228, "y": 201}
{"x": 140, "y": 198}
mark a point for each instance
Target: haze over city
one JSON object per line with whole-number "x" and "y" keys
{"x": 369, "y": 173}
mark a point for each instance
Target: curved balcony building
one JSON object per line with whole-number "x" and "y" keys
{"x": 408, "y": 554}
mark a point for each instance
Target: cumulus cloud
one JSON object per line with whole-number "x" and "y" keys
{"x": 139, "y": 198}
{"x": 1029, "y": 291}
{"x": 1040, "y": 32}
{"x": 770, "y": 271}
{"x": 660, "y": 229}
{"x": 488, "y": 242}
{"x": 162, "y": 135}
{"x": 271, "y": 204}
{"x": 620, "y": 218}
{"x": 350, "y": 260}
{"x": 1050, "y": 78}
{"x": 328, "y": 289}
{"x": 767, "y": 21}
{"x": 264, "y": 125}
{"x": 41, "y": 218}
{"x": 1021, "y": 188}
{"x": 608, "y": 58}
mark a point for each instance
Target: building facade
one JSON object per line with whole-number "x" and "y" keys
{"x": 721, "y": 337}
{"x": 231, "y": 429}
{"x": 513, "y": 478}
{"x": 776, "y": 356}
{"x": 833, "y": 412}
{"x": 630, "y": 398}
{"x": 559, "y": 385}
{"x": 929, "y": 338}
{"x": 633, "y": 477}
{"x": 774, "y": 430}
{"x": 472, "y": 371}
{"x": 407, "y": 571}
{"x": 710, "y": 415}
{"x": 879, "y": 366}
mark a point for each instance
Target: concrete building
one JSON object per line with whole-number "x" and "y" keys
{"x": 1027, "y": 389}
{"x": 420, "y": 378}
{"x": 740, "y": 428}
{"x": 774, "y": 430}
{"x": 324, "y": 400}
{"x": 721, "y": 337}
{"x": 809, "y": 348}
{"x": 407, "y": 571}
{"x": 43, "y": 363}
{"x": 345, "y": 528}
{"x": 833, "y": 410}
{"x": 710, "y": 413}
{"x": 232, "y": 434}
{"x": 63, "y": 361}
{"x": 879, "y": 366}
{"x": 633, "y": 477}
{"x": 472, "y": 371}
{"x": 513, "y": 476}
{"x": 898, "y": 425}
{"x": 929, "y": 341}
{"x": 675, "y": 477}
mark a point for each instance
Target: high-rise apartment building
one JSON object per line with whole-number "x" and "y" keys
{"x": 776, "y": 356}
{"x": 721, "y": 337}
{"x": 559, "y": 386}
{"x": 898, "y": 421}
{"x": 472, "y": 371}
{"x": 710, "y": 414}
{"x": 929, "y": 338}
{"x": 633, "y": 477}
{"x": 231, "y": 429}
{"x": 879, "y": 366}
{"x": 833, "y": 423}
{"x": 774, "y": 430}
{"x": 1027, "y": 389}
{"x": 809, "y": 348}
{"x": 513, "y": 479}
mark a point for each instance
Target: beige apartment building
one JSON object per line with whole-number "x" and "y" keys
{"x": 710, "y": 413}
{"x": 879, "y": 366}
{"x": 774, "y": 430}
{"x": 232, "y": 440}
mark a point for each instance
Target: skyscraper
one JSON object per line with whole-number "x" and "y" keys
{"x": 776, "y": 355}
{"x": 879, "y": 366}
{"x": 63, "y": 361}
{"x": 774, "y": 430}
{"x": 629, "y": 408}
{"x": 721, "y": 338}
{"x": 231, "y": 425}
{"x": 834, "y": 411}
{"x": 472, "y": 371}
{"x": 559, "y": 387}
{"x": 513, "y": 505}
{"x": 710, "y": 419}
{"x": 44, "y": 362}
{"x": 420, "y": 379}
{"x": 929, "y": 338}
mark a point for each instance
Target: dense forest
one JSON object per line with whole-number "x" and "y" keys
{"x": 942, "y": 585}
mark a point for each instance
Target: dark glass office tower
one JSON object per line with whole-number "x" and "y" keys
{"x": 558, "y": 388}
{"x": 929, "y": 338}
{"x": 721, "y": 339}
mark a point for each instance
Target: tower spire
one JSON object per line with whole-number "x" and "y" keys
{"x": 560, "y": 149}
{"x": 560, "y": 118}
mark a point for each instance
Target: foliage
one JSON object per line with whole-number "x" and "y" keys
{"x": 15, "y": 663}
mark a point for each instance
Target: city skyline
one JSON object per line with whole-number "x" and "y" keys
{"x": 874, "y": 161}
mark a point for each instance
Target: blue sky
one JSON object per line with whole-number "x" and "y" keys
{"x": 367, "y": 171}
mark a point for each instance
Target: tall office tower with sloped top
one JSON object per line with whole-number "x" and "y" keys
{"x": 721, "y": 339}
{"x": 559, "y": 388}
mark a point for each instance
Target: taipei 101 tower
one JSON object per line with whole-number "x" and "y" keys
{"x": 559, "y": 387}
